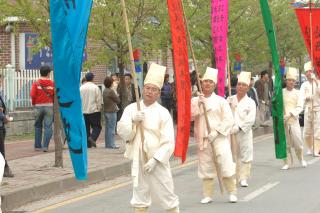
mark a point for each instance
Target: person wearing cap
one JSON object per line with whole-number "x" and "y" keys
{"x": 310, "y": 99}
{"x": 221, "y": 120}
{"x": 152, "y": 178}
{"x": 91, "y": 108}
{"x": 292, "y": 109}
{"x": 42, "y": 95}
{"x": 244, "y": 111}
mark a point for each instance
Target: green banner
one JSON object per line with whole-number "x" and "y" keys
{"x": 277, "y": 100}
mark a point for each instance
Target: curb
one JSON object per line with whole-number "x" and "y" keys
{"x": 20, "y": 197}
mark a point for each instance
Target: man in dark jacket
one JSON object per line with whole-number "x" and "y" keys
{"x": 263, "y": 91}
{"x": 3, "y": 120}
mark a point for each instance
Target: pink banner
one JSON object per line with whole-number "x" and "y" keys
{"x": 219, "y": 29}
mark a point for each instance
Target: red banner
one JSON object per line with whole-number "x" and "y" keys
{"x": 182, "y": 77}
{"x": 306, "y": 17}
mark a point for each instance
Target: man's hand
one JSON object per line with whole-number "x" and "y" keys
{"x": 286, "y": 117}
{"x": 235, "y": 129}
{"x": 212, "y": 136}
{"x": 139, "y": 116}
{"x": 150, "y": 165}
{"x": 202, "y": 99}
{"x": 309, "y": 98}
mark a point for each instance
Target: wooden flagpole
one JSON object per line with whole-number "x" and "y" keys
{"x": 311, "y": 54}
{"x": 133, "y": 73}
{"x": 232, "y": 136}
{"x": 214, "y": 155}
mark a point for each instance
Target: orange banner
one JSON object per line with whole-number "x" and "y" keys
{"x": 182, "y": 77}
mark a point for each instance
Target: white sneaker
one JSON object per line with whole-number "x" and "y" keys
{"x": 206, "y": 200}
{"x": 233, "y": 198}
{"x": 309, "y": 152}
{"x": 285, "y": 167}
{"x": 304, "y": 163}
{"x": 244, "y": 183}
{"x": 316, "y": 155}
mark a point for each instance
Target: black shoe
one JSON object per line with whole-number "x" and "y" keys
{"x": 7, "y": 172}
{"x": 92, "y": 142}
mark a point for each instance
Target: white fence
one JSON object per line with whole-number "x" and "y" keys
{"x": 15, "y": 86}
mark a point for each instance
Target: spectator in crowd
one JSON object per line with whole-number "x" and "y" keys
{"x": 166, "y": 94}
{"x": 91, "y": 108}
{"x": 115, "y": 82}
{"x": 252, "y": 93}
{"x": 174, "y": 102}
{"x": 110, "y": 108}
{"x": 128, "y": 96}
{"x": 3, "y": 120}
{"x": 83, "y": 80}
{"x": 42, "y": 95}
{"x": 263, "y": 91}
{"x": 194, "y": 86}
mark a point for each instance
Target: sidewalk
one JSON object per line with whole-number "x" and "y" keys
{"x": 36, "y": 178}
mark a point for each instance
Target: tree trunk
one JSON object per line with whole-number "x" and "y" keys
{"x": 123, "y": 91}
{"x": 57, "y": 134}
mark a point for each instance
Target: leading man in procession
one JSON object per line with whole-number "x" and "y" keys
{"x": 152, "y": 178}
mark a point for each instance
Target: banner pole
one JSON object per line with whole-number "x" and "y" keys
{"x": 133, "y": 73}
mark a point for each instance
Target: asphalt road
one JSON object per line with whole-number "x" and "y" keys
{"x": 270, "y": 190}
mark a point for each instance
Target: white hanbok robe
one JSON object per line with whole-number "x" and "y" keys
{"x": 244, "y": 117}
{"x": 292, "y": 105}
{"x": 220, "y": 119}
{"x": 306, "y": 91}
{"x": 159, "y": 144}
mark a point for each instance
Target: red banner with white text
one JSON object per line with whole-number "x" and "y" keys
{"x": 182, "y": 77}
{"x": 306, "y": 16}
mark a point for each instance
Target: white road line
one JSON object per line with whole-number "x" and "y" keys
{"x": 313, "y": 160}
{"x": 259, "y": 191}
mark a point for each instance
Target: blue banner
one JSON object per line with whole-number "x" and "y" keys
{"x": 69, "y": 25}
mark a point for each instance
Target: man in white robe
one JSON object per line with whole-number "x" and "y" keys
{"x": 310, "y": 97}
{"x": 152, "y": 177}
{"x": 244, "y": 111}
{"x": 220, "y": 120}
{"x": 292, "y": 109}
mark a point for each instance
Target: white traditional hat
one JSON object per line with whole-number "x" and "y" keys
{"x": 308, "y": 66}
{"x": 245, "y": 77}
{"x": 210, "y": 74}
{"x": 155, "y": 75}
{"x": 292, "y": 73}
